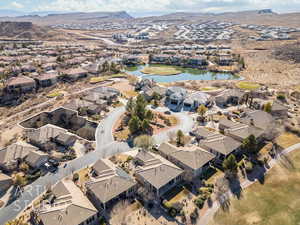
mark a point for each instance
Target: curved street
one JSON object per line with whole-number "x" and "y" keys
{"x": 105, "y": 147}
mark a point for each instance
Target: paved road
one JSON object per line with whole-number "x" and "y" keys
{"x": 105, "y": 147}
{"x": 208, "y": 216}
{"x": 186, "y": 124}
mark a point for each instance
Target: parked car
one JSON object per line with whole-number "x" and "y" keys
{"x": 167, "y": 112}
{"x": 54, "y": 162}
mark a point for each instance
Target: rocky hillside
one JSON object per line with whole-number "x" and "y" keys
{"x": 25, "y": 30}
{"x": 67, "y": 18}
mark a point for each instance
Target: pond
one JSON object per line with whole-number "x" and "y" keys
{"x": 187, "y": 74}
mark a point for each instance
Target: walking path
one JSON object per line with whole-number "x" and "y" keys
{"x": 208, "y": 216}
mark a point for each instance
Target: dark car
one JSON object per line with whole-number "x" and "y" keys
{"x": 167, "y": 112}
{"x": 54, "y": 162}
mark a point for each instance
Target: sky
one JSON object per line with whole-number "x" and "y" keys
{"x": 144, "y": 6}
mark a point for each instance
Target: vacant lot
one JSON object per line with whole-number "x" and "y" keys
{"x": 161, "y": 70}
{"x": 276, "y": 202}
{"x": 286, "y": 140}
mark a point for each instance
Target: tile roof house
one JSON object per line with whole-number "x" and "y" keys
{"x": 230, "y": 96}
{"x": 257, "y": 118}
{"x": 108, "y": 184}
{"x": 36, "y": 159}
{"x": 43, "y": 136}
{"x": 47, "y": 79}
{"x": 74, "y": 74}
{"x": 102, "y": 93}
{"x": 193, "y": 161}
{"x": 279, "y": 110}
{"x": 13, "y": 154}
{"x": 21, "y": 83}
{"x": 69, "y": 207}
{"x": 85, "y": 107}
{"x": 240, "y": 131}
{"x": 220, "y": 145}
{"x": 156, "y": 174}
{"x": 5, "y": 182}
{"x": 194, "y": 100}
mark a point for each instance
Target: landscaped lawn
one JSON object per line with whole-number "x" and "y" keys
{"x": 54, "y": 94}
{"x": 161, "y": 70}
{"x": 208, "y": 89}
{"x": 247, "y": 85}
{"x": 276, "y": 202}
{"x": 287, "y": 139}
{"x": 95, "y": 80}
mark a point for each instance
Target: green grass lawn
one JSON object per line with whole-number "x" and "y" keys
{"x": 247, "y": 85}
{"x": 162, "y": 70}
{"x": 208, "y": 88}
{"x": 276, "y": 202}
{"x": 54, "y": 94}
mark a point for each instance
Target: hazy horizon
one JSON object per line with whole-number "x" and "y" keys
{"x": 148, "y": 7}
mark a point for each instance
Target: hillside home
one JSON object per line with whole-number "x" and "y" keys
{"x": 20, "y": 84}
{"x": 47, "y": 79}
{"x": 74, "y": 74}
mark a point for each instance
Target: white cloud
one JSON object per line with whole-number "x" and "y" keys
{"x": 166, "y": 5}
{"x": 17, "y": 5}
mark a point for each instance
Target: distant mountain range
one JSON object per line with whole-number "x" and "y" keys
{"x": 15, "y": 13}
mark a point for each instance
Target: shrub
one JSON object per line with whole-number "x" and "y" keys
{"x": 172, "y": 212}
{"x": 281, "y": 97}
{"x": 199, "y": 202}
{"x": 248, "y": 166}
{"x": 194, "y": 216}
{"x": 129, "y": 158}
{"x": 75, "y": 177}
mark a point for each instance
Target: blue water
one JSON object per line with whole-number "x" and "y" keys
{"x": 187, "y": 74}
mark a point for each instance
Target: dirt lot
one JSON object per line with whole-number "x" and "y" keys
{"x": 263, "y": 67}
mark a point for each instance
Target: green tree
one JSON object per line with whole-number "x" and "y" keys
{"x": 145, "y": 142}
{"x": 180, "y": 138}
{"x": 250, "y": 145}
{"x": 130, "y": 106}
{"x": 268, "y": 107}
{"x": 201, "y": 111}
{"x": 20, "y": 181}
{"x": 145, "y": 126}
{"x": 230, "y": 164}
{"x": 140, "y": 109}
{"x": 134, "y": 124}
